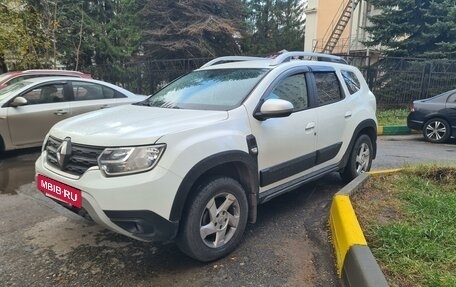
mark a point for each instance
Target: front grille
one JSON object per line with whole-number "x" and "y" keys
{"x": 82, "y": 156}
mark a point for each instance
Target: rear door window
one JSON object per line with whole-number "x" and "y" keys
{"x": 328, "y": 88}
{"x": 84, "y": 91}
{"x": 87, "y": 91}
{"x": 109, "y": 93}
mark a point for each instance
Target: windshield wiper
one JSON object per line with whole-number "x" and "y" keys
{"x": 142, "y": 103}
{"x": 151, "y": 104}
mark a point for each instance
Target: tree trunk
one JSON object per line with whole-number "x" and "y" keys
{"x": 3, "y": 67}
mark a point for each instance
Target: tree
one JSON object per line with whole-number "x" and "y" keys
{"x": 97, "y": 32}
{"x": 190, "y": 28}
{"x": 273, "y": 25}
{"x": 46, "y": 27}
{"x": 22, "y": 41}
{"x": 419, "y": 28}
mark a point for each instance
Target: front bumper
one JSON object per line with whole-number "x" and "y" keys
{"x": 144, "y": 224}
{"x": 135, "y": 205}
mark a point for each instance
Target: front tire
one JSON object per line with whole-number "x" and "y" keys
{"x": 360, "y": 159}
{"x": 436, "y": 131}
{"x": 215, "y": 220}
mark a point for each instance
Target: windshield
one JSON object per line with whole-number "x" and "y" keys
{"x": 12, "y": 88}
{"x": 222, "y": 89}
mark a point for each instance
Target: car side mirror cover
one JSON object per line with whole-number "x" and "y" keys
{"x": 274, "y": 108}
{"x": 18, "y": 101}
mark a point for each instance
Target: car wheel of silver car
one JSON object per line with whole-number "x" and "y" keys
{"x": 360, "y": 159}
{"x": 215, "y": 220}
{"x": 436, "y": 130}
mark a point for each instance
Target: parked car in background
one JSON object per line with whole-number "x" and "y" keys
{"x": 435, "y": 117}
{"x": 29, "y": 108}
{"x": 9, "y": 78}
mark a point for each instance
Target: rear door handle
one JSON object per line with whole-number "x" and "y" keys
{"x": 348, "y": 115}
{"x": 104, "y": 106}
{"x": 60, "y": 112}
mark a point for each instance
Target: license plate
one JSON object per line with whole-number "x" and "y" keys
{"x": 59, "y": 191}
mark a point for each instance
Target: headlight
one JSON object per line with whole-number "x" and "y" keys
{"x": 126, "y": 160}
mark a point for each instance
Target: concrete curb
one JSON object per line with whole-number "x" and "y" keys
{"x": 394, "y": 130}
{"x": 355, "y": 263}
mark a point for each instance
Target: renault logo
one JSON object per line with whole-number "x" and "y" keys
{"x": 64, "y": 152}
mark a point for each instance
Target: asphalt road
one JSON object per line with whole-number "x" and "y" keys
{"x": 42, "y": 244}
{"x": 400, "y": 151}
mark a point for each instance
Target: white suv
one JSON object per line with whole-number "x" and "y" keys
{"x": 192, "y": 162}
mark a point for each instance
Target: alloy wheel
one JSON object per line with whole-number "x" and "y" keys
{"x": 362, "y": 158}
{"x": 435, "y": 130}
{"x": 219, "y": 220}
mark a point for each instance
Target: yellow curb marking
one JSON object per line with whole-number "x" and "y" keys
{"x": 380, "y": 130}
{"x": 345, "y": 228}
{"x": 385, "y": 171}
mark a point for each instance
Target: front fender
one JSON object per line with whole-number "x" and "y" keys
{"x": 241, "y": 159}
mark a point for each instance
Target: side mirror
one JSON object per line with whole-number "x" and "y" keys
{"x": 18, "y": 101}
{"x": 274, "y": 108}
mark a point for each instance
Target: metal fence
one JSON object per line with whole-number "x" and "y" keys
{"x": 396, "y": 82}
{"x": 146, "y": 77}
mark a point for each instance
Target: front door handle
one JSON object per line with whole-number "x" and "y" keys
{"x": 104, "y": 106}
{"x": 348, "y": 115}
{"x": 60, "y": 112}
{"x": 310, "y": 126}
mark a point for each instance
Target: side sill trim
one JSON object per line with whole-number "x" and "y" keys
{"x": 286, "y": 187}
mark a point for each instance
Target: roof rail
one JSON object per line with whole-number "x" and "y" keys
{"x": 287, "y": 56}
{"x": 229, "y": 59}
{"x": 51, "y": 70}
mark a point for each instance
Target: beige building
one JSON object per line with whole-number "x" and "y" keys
{"x": 337, "y": 26}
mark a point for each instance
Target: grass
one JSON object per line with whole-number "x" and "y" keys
{"x": 409, "y": 220}
{"x": 392, "y": 117}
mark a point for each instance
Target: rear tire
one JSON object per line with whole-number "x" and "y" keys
{"x": 215, "y": 219}
{"x": 360, "y": 159}
{"x": 436, "y": 131}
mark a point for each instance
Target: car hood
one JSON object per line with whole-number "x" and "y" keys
{"x": 132, "y": 125}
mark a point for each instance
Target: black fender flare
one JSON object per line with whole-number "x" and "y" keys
{"x": 250, "y": 181}
{"x": 369, "y": 124}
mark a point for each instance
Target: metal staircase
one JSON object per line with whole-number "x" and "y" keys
{"x": 339, "y": 28}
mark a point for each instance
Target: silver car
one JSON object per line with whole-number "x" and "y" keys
{"x": 29, "y": 108}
